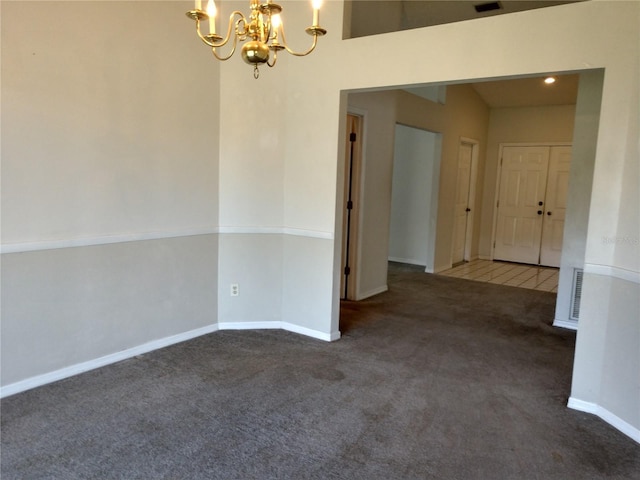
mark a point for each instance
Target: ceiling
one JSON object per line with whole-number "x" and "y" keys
{"x": 527, "y": 92}
{"x": 518, "y": 92}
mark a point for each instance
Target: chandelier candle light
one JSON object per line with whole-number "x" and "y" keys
{"x": 264, "y": 28}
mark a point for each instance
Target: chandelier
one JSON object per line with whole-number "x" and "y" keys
{"x": 263, "y": 28}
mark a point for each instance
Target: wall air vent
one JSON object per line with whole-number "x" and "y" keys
{"x": 576, "y": 294}
{"x": 487, "y": 7}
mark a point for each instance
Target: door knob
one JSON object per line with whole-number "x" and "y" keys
{"x": 539, "y": 212}
{"x": 467, "y": 209}
{"x": 540, "y": 203}
{"x": 548, "y": 213}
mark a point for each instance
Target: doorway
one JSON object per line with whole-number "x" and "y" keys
{"x": 414, "y": 196}
{"x": 532, "y": 200}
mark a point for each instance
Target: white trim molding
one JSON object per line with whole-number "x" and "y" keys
{"x": 611, "y": 271}
{"x": 79, "y": 368}
{"x": 606, "y": 415}
{"x": 21, "y": 247}
{"x": 373, "y": 292}
{"x": 102, "y": 240}
{"x": 279, "y": 325}
{"x": 569, "y": 324}
{"x": 267, "y": 230}
{"x": 66, "y": 372}
{"x": 409, "y": 261}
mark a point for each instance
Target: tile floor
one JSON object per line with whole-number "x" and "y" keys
{"x": 504, "y": 273}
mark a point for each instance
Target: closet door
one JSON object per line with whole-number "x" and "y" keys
{"x": 523, "y": 181}
{"x": 555, "y": 206}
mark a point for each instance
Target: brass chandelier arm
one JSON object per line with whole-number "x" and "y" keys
{"x": 311, "y": 31}
{"x": 275, "y": 49}
{"x": 214, "y": 40}
{"x": 235, "y": 43}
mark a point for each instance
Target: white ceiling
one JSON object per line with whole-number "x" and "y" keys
{"x": 526, "y": 92}
{"x": 518, "y": 92}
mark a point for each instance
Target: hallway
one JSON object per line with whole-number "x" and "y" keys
{"x": 504, "y": 273}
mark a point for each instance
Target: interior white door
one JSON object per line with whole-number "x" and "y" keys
{"x": 555, "y": 206}
{"x": 462, "y": 210}
{"x": 521, "y": 199}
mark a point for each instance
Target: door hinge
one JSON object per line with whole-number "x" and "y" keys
{"x": 347, "y": 270}
{"x": 497, "y": 203}
{"x": 352, "y": 137}
{"x": 350, "y": 205}
{"x": 494, "y": 244}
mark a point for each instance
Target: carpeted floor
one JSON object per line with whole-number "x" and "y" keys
{"x": 439, "y": 378}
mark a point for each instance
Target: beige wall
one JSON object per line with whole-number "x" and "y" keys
{"x": 585, "y": 136}
{"x": 109, "y": 184}
{"x": 102, "y": 133}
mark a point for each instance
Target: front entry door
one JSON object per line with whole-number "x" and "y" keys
{"x": 521, "y": 204}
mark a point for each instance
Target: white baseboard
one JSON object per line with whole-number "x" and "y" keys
{"x": 569, "y": 324}
{"x": 606, "y": 415}
{"x": 373, "y": 292}
{"x": 79, "y": 368}
{"x": 61, "y": 374}
{"x": 611, "y": 271}
{"x": 410, "y": 261}
{"x": 582, "y": 406}
{"x": 485, "y": 257}
{"x": 250, "y": 325}
{"x": 327, "y": 337}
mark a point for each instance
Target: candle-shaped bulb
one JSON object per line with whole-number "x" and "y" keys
{"x": 211, "y": 11}
{"x": 276, "y": 21}
{"x": 316, "y": 11}
{"x": 198, "y": 4}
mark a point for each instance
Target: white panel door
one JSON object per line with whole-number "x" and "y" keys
{"x": 555, "y": 206}
{"x": 523, "y": 181}
{"x": 461, "y": 212}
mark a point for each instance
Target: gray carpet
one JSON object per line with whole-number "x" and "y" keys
{"x": 438, "y": 378}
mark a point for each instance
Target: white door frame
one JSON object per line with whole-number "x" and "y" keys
{"x": 355, "y": 257}
{"x": 496, "y": 195}
{"x": 475, "y": 146}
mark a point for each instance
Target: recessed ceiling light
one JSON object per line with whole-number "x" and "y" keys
{"x": 549, "y": 80}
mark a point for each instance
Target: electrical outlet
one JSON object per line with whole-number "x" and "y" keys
{"x": 235, "y": 290}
